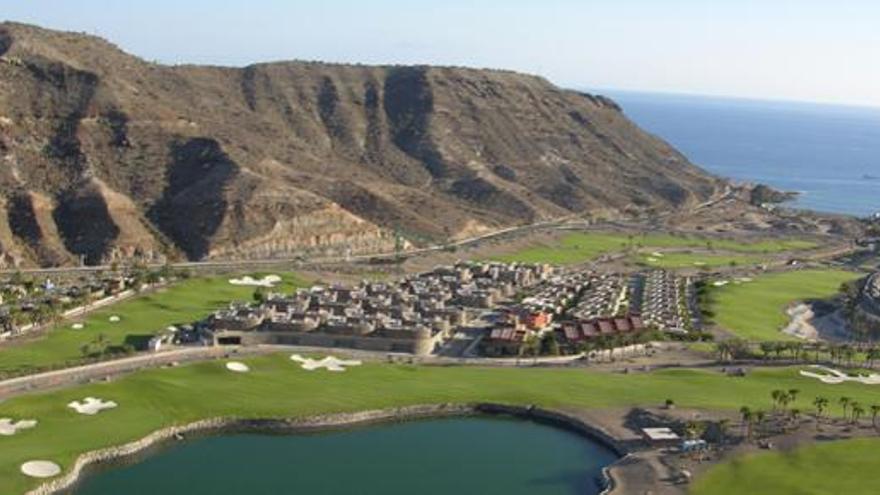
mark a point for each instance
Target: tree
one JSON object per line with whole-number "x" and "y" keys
{"x": 725, "y": 350}
{"x": 767, "y": 348}
{"x": 795, "y": 416}
{"x": 820, "y": 403}
{"x": 759, "y": 419}
{"x": 549, "y": 345}
{"x": 259, "y": 296}
{"x": 747, "y": 417}
{"x": 875, "y": 411}
{"x": 857, "y": 412}
{"x": 871, "y": 356}
{"x": 777, "y": 396}
{"x": 844, "y": 403}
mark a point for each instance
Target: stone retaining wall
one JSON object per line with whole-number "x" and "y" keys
{"x": 329, "y": 421}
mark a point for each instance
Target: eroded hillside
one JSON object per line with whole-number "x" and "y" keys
{"x": 105, "y": 155}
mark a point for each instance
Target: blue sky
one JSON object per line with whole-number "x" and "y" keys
{"x": 811, "y": 50}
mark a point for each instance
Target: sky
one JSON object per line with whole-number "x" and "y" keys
{"x": 805, "y": 50}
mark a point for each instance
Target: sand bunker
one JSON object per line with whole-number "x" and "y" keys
{"x": 330, "y": 363}
{"x": 114, "y": 319}
{"x": 237, "y": 367}
{"x": 77, "y": 326}
{"x": 91, "y": 406}
{"x": 40, "y": 469}
{"x": 8, "y": 428}
{"x": 720, "y": 283}
{"x": 832, "y": 376}
{"x": 267, "y": 281}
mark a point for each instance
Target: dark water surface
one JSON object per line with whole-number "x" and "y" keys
{"x": 444, "y": 456}
{"x": 830, "y": 154}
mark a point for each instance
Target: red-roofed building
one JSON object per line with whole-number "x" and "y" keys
{"x": 504, "y": 341}
{"x": 574, "y": 332}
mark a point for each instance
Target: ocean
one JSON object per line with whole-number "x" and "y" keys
{"x": 829, "y": 154}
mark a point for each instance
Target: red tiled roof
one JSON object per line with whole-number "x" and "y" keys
{"x": 622, "y": 324}
{"x": 589, "y": 329}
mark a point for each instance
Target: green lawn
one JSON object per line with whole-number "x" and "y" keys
{"x": 756, "y": 310}
{"x": 673, "y": 260}
{"x": 140, "y": 318}
{"x": 581, "y": 247}
{"x": 848, "y": 467}
{"x": 276, "y": 387}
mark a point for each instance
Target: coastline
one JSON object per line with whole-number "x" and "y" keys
{"x": 564, "y": 421}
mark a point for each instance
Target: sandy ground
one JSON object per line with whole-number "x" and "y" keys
{"x": 807, "y": 325}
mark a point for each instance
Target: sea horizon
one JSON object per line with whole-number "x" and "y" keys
{"x": 827, "y": 153}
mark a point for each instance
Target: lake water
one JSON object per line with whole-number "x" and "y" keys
{"x": 830, "y": 154}
{"x": 435, "y": 457}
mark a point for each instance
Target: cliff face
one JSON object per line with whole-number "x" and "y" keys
{"x": 106, "y": 155}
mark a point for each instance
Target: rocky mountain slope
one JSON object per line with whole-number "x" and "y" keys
{"x": 105, "y": 155}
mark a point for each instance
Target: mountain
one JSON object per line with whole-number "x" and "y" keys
{"x": 105, "y": 155}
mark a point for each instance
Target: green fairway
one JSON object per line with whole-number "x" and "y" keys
{"x": 581, "y": 247}
{"x": 849, "y": 467}
{"x": 140, "y": 318}
{"x": 673, "y": 260}
{"x": 756, "y": 310}
{"x": 277, "y": 387}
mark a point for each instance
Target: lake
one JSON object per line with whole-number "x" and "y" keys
{"x": 442, "y": 456}
{"x": 828, "y": 153}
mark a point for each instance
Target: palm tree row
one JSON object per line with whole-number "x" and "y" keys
{"x": 852, "y": 410}
{"x": 841, "y": 354}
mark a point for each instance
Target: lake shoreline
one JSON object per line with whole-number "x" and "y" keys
{"x": 94, "y": 459}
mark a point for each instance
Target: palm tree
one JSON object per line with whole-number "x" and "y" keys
{"x": 857, "y": 412}
{"x": 844, "y": 402}
{"x": 820, "y": 403}
{"x": 795, "y": 417}
{"x": 759, "y": 419}
{"x": 875, "y": 411}
{"x": 747, "y": 417}
{"x": 776, "y": 395}
{"x": 793, "y": 393}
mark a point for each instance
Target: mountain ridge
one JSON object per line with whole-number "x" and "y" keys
{"x": 280, "y": 158}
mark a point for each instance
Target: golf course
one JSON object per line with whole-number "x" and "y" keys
{"x": 848, "y": 466}
{"x": 276, "y": 387}
{"x": 139, "y": 318}
{"x": 582, "y": 247}
{"x": 676, "y": 260}
{"x": 755, "y": 309}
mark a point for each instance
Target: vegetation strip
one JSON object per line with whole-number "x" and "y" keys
{"x": 582, "y": 247}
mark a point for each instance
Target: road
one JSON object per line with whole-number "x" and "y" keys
{"x": 211, "y": 264}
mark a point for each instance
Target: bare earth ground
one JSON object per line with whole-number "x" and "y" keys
{"x": 807, "y": 324}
